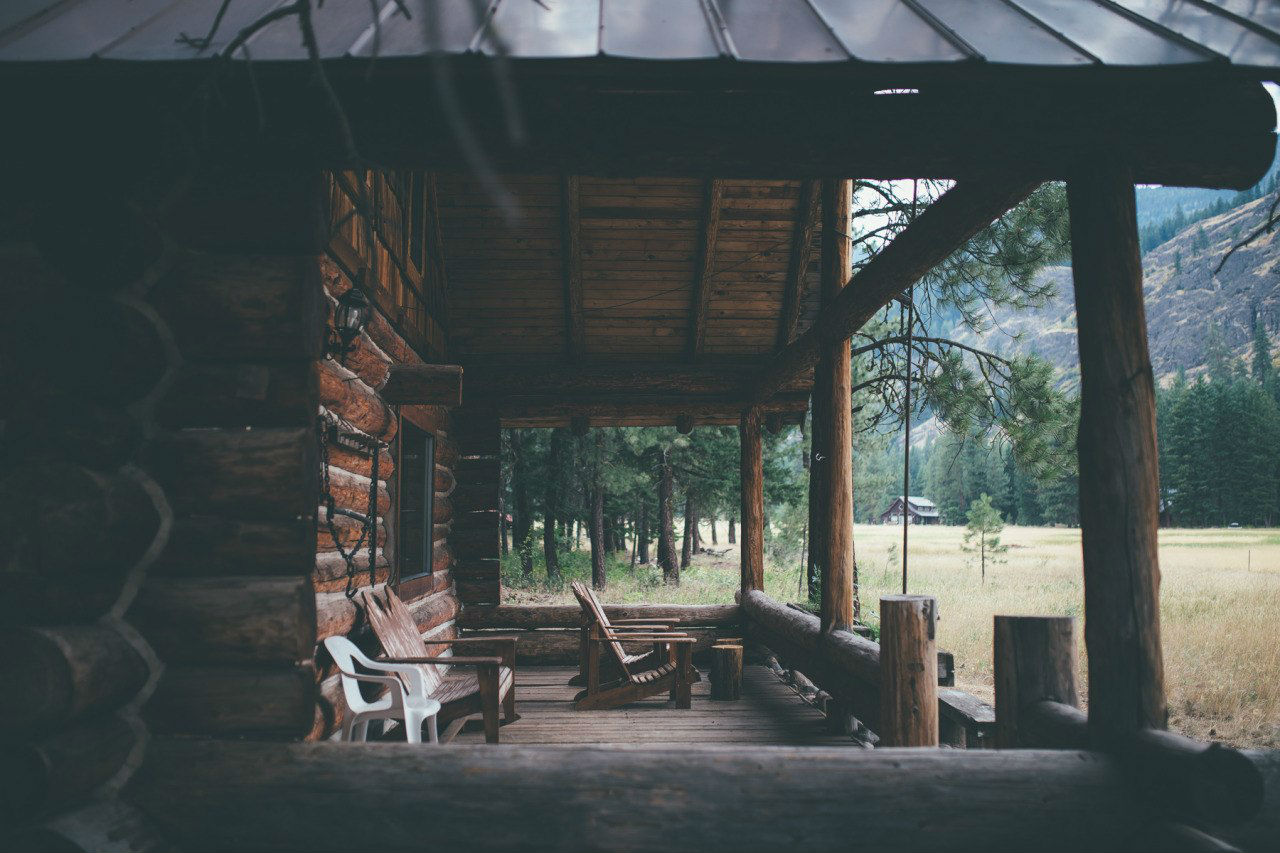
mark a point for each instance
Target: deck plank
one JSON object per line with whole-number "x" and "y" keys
{"x": 769, "y": 712}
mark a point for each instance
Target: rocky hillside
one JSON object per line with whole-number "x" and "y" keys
{"x": 1183, "y": 297}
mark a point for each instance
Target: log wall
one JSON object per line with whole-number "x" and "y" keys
{"x": 353, "y": 393}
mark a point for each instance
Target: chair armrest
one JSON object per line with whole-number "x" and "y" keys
{"x": 506, "y": 650}
{"x": 642, "y": 626}
{"x": 649, "y": 621}
{"x": 389, "y": 680}
{"x": 449, "y": 661}
{"x": 650, "y": 638}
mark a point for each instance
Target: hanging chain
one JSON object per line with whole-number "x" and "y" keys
{"x": 368, "y": 524}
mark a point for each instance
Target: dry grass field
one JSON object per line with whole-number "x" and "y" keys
{"x": 1220, "y": 608}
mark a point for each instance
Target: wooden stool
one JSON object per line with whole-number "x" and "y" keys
{"x": 726, "y": 671}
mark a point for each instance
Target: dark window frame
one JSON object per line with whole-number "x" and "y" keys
{"x": 422, "y": 554}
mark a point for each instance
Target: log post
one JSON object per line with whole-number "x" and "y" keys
{"x": 1119, "y": 474}
{"x": 1035, "y": 659}
{"x": 726, "y": 671}
{"x": 908, "y": 671}
{"x": 752, "y": 501}
{"x": 836, "y": 611}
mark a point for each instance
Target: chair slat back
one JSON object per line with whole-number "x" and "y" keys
{"x": 592, "y": 607}
{"x": 395, "y": 629}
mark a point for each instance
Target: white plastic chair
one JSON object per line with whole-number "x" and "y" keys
{"x": 404, "y": 700}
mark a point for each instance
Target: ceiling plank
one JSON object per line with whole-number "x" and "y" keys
{"x": 711, "y": 203}
{"x": 941, "y": 229}
{"x": 798, "y": 261}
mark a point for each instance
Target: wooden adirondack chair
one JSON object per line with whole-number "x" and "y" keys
{"x": 490, "y": 683}
{"x": 666, "y": 669}
{"x": 591, "y": 605}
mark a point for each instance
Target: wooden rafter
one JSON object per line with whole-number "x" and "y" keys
{"x": 571, "y": 260}
{"x": 798, "y": 261}
{"x": 940, "y": 230}
{"x": 498, "y": 381}
{"x": 701, "y": 299}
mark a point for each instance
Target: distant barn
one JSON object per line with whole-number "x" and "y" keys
{"x": 919, "y": 511}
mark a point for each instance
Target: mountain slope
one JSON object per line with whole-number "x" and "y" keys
{"x": 1183, "y": 297}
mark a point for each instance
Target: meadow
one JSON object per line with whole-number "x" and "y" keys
{"x": 1220, "y": 606}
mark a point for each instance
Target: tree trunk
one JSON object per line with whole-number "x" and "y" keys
{"x": 733, "y": 537}
{"x": 551, "y": 508}
{"x": 597, "y": 519}
{"x": 686, "y": 542}
{"x": 713, "y": 531}
{"x": 644, "y": 531}
{"x": 666, "y": 534}
{"x": 520, "y": 494}
{"x": 635, "y": 534}
{"x": 502, "y": 523}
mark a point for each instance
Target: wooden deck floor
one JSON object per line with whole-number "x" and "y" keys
{"x": 769, "y": 712}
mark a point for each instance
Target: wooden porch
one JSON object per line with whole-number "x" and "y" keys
{"x": 769, "y": 713}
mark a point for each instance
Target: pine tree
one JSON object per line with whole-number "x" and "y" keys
{"x": 982, "y": 534}
{"x": 1263, "y": 369}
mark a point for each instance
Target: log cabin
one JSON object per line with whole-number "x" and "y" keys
{"x": 572, "y": 213}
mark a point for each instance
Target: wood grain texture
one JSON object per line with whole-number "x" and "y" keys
{"x": 218, "y": 796}
{"x": 704, "y": 266}
{"x": 1035, "y": 659}
{"x": 908, "y": 671}
{"x": 571, "y": 266}
{"x": 798, "y": 260}
{"x": 1119, "y": 470}
{"x": 836, "y": 609}
{"x": 423, "y": 384}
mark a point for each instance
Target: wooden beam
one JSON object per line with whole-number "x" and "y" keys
{"x": 486, "y": 381}
{"x": 908, "y": 670}
{"x": 1035, "y": 659}
{"x": 798, "y": 261}
{"x": 836, "y": 570}
{"x": 1119, "y": 468}
{"x": 703, "y": 265}
{"x": 220, "y": 795}
{"x": 571, "y": 263}
{"x": 579, "y": 425}
{"x": 670, "y": 406}
{"x": 423, "y": 384}
{"x": 942, "y": 228}
{"x": 752, "y": 484}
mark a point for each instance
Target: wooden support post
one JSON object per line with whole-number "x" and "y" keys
{"x": 1035, "y": 660}
{"x": 752, "y": 501}
{"x": 684, "y": 424}
{"x": 836, "y": 610}
{"x": 908, "y": 671}
{"x": 726, "y": 671}
{"x": 1119, "y": 471}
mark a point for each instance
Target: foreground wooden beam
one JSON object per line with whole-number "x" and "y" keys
{"x": 752, "y": 483}
{"x": 944, "y": 227}
{"x": 1119, "y": 468}
{"x": 494, "y": 381}
{"x": 1035, "y": 659}
{"x": 908, "y": 670}
{"x": 318, "y": 797}
{"x": 423, "y": 384}
{"x": 703, "y": 266}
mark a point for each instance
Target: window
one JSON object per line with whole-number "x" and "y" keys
{"x": 415, "y": 498}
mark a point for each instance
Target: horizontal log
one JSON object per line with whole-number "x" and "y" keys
{"x": 276, "y": 797}
{"x": 211, "y": 545}
{"x": 433, "y": 419}
{"x": 361, "y": 463}
{"x": 1261, "y": 832}
{"x": 277, "y": 701}
{"x": 349, "y": 530}
{"x": 525, "y": 409}
{"x": 86, "y": 345}
{"x": 230, "y": 208}
{"x": 480, "y": 569}
{"x": 41, "y": 775}
{"x": 102, "y": 824}
{"x": 223, "y": 307}
{"x": 99, "y": 436}
{"x": 351, "y": 491}
{"x": 473, "y": 497}
{"x": 423, "y": 384}
{"x": 281, "y": 394}
{"x": 556, "y": 616}
{"x": 478, "y": 591}
{"x": 260, "y": 474}
{"x": 491, "y": 383}
{"x": 471, "y": 545}
{"x": 73, "y": 535}
{"x": 1178, "y": 775}
{"x": 477, "y": 471}
{"x": 330, "y": 566}
{"x": 447, "y": 453}
{"x": 232, "y": 620}
{"x": 347, "y": 396}
{"x": 57, "y": 674}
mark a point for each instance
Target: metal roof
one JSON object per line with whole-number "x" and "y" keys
{"x": 1041, "y": 33}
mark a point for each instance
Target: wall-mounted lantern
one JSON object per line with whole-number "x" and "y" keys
{"x": 349, "y": 320}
